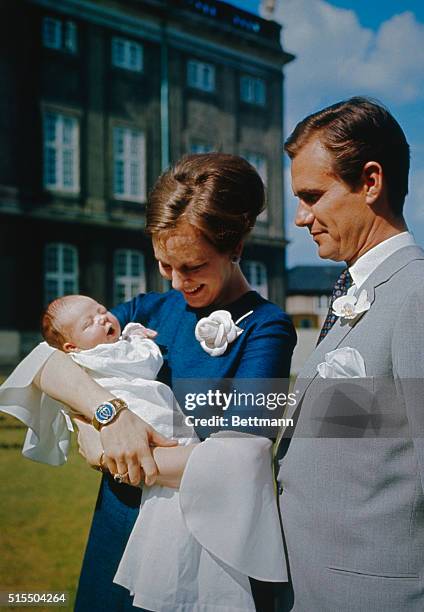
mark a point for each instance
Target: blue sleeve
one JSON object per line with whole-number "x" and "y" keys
{"x": 269, "y": 350}
{"x": 128, "y": 312}
{"x": 264, "y": 368}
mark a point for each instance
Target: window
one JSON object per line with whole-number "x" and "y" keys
{"x": 306, "y": 324}
{"x": 305, "y": 321}
{"x": 252, "y": 90}
{"x": 61, "y": 152}
{"x": 127, "y": 54}
{"x": 256, "y": 275}
{"x": 200, "y": 75}
{"x": 60, "y": 34}
{"x": 258, "y": 161}
{"x": 60, "y": 271}
{"x": 201, "y": 147}
{"x": 129, "y": 274}
{"x": 321, "y": 304}
{"x": 129, "y": 158}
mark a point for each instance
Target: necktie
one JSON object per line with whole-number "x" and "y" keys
{"x": 340, "y": 288}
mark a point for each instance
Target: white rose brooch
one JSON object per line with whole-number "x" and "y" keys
{"x": 217, "y": 331}
{"x": 349, "y": 306}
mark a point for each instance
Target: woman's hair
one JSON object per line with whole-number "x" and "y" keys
{"x": 51, "y": 331}
{"x": 219, "y": 194}
{"x": 354, "y": 132}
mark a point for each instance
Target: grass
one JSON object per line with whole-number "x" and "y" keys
{"x": 45, "y": 515}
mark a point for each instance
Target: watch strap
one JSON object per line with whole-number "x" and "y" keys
{"x": 118, "y": 403}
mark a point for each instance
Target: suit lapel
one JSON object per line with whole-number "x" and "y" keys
{"x": 340, "y": 330}
{"x": 331, "y": 341}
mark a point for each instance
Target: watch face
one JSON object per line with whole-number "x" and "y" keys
{"x": 105, "y": 412}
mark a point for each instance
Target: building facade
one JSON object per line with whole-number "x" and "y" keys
{"x": 309, "y": 290}
{"x": 98, "y": 97}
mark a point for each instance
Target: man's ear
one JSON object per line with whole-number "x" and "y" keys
{"x": 373, "y": 181}
{"x": 68, "y": 347}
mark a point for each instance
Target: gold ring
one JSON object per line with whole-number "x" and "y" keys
{"x": 101, "y": 467}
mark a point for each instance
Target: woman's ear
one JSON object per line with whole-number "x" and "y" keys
{"x": 237, "y": 251}
{"x": 373, "y": 181}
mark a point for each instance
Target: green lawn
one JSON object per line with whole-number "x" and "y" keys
{"x": 45, "y": 515}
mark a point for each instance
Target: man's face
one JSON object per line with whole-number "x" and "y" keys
{"x": 338, "y": 218}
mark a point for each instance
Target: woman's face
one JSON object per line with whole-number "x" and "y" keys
{"x": 202, "y": 274}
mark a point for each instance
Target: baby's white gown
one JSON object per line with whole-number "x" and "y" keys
{"x": 192, "y": 549}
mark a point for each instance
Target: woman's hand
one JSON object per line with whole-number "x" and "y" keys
{"x": 89, "y": 443}
{"x": 127, "y": 443}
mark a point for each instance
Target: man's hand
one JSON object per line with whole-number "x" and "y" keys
{"x": 126, "y": 443}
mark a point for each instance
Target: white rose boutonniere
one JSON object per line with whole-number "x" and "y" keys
{"x": 349, "y": 306}
{"x": 217, "y": 331}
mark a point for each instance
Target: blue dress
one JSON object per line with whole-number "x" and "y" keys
{"x": 263, "y": 350}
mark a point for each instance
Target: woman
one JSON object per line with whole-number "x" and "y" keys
{"x": 199, "y": 213}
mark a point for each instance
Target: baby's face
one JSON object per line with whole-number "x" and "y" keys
{"x": 86, "y": 324}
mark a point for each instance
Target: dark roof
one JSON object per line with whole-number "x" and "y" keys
{"x": 312, "y": 280}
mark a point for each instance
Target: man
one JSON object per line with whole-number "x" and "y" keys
{"x": 351, "y": 478}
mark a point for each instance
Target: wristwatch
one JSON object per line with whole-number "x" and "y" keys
{"x": 106, "y": 412}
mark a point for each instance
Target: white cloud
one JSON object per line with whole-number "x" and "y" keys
{"x": 338, "y": 57}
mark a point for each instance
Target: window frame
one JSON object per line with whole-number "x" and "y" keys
{"x": 253, "y": 90}
{"x": 61, "y": 148}
{"x": 250, "y": 265}
{"x": 126, "y": 63}
{"x": 195, "y": 76}
{"x": 128, "y": 280}
{"x": 321, "y": 303}
{"x": 252, "y": 157}
{"x": 66, "y": 34}
{"x": 60, "y": 276}
{"x": 127, "y": 159}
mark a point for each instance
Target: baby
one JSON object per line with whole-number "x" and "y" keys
{"x": 77, "y": 322}
{"x": 127, "y": 365}
{"x": 186, "y": 552}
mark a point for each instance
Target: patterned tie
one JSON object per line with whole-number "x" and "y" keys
{"x": 340, "y": 288}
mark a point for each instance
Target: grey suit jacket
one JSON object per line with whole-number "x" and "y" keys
{"x": 352, "y": 504}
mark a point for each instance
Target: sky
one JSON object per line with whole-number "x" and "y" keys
{"x": 354, "y": 47}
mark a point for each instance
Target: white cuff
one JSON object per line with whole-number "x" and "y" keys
{"x": 48, "y": 436}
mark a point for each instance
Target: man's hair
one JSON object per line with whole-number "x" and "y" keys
{"x": 218, "y": 193}
{"x": 354, "y": 132}
{"x": 51, "y": 330}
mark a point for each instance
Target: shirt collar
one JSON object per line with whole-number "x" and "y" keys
{"x": 367, "y": 263}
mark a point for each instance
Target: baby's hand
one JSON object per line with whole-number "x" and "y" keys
{"x": 136, "y": 329}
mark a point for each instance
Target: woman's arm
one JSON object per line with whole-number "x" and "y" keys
{"x": 269, "y": 349}
{"x": 268, "y": 354}
{"x": 64, "y": 380}
{"x": 126, "y": 440}
{"x": 171, "y": 464}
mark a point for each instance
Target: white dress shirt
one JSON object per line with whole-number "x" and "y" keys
{"x": 370, "y": 261}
